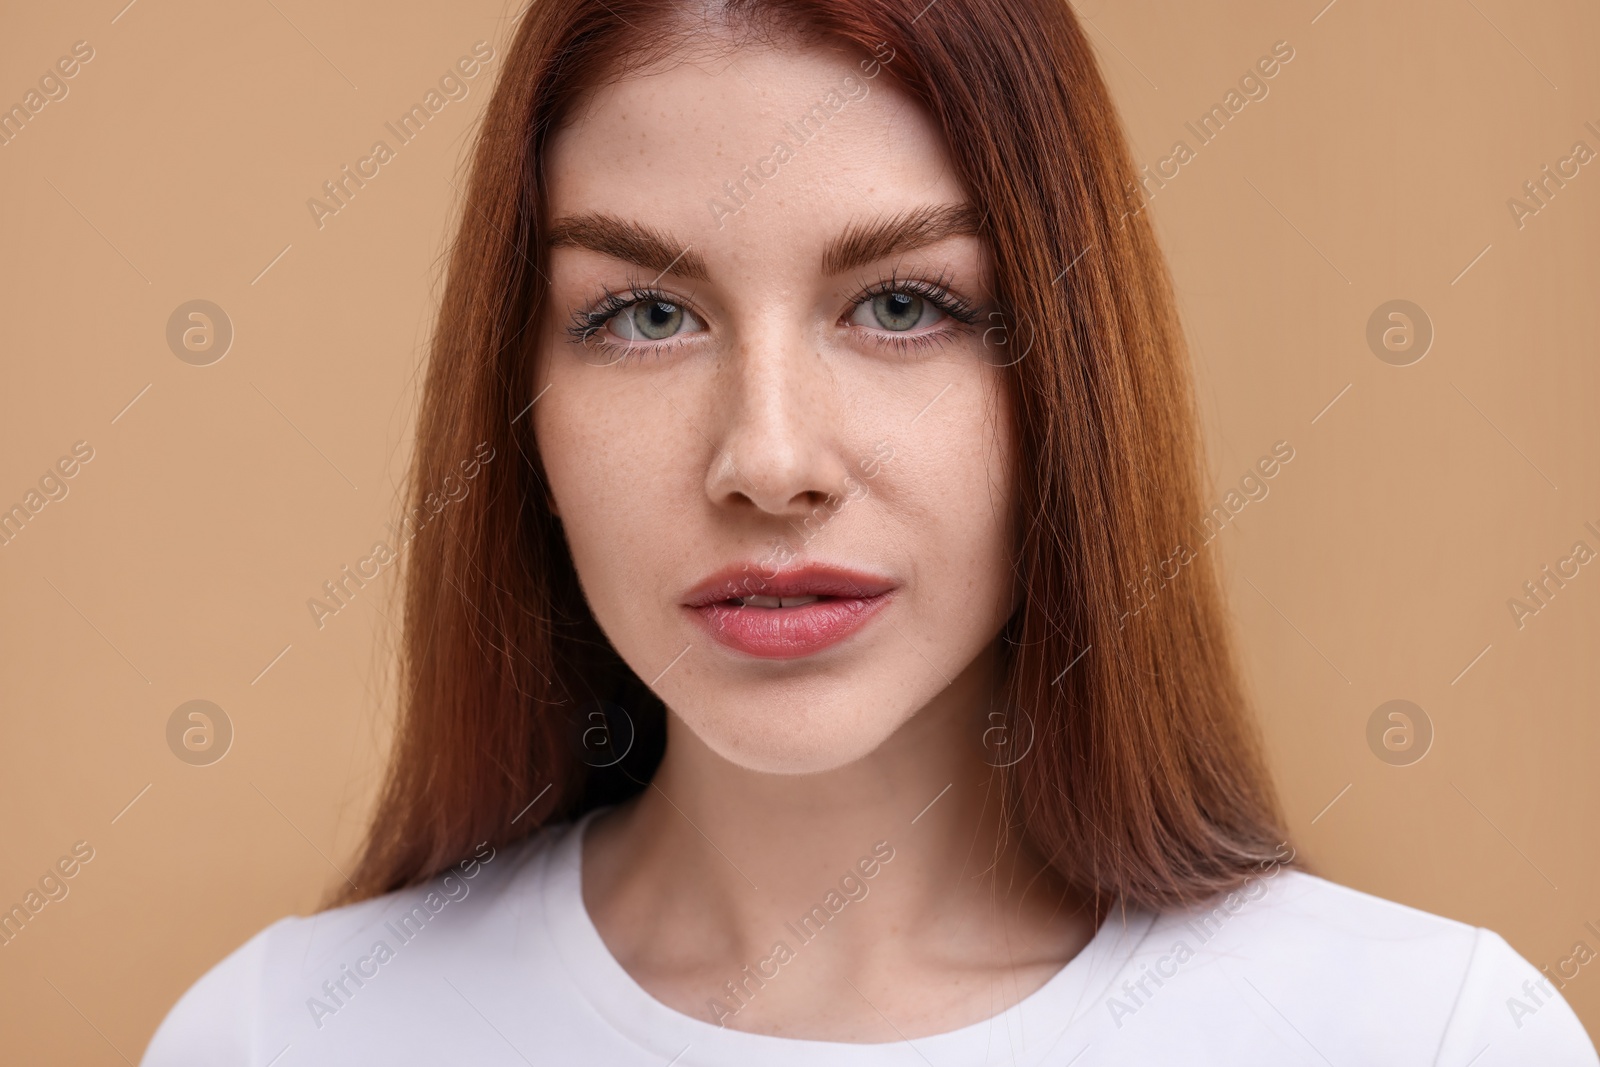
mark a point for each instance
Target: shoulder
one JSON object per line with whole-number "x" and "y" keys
{"x": 277, "y": 983}
{"x": 210, "y": 1022}
{"x": 1362, "y": 973}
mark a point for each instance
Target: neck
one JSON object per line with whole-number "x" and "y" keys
{"x": 720, "y": 863}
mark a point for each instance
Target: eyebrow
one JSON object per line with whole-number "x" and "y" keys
{"x": 860, "y": 244}
{"x": 630, "y": 242}
{"x": 864, "y": 243}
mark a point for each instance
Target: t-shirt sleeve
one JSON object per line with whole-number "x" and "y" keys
{"x": 214, "y": 1023}
{"x": 1508, "y": 1013}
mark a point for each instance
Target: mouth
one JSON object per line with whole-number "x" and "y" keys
{"x": 788, "y": 614}
{"x": 773, "y": 601}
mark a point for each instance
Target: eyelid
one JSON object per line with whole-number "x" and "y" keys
{"x": 937, "y": 292}
{"x": 588, "y": 320}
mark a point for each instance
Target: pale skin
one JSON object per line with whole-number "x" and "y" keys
{"x": 706, "y": 438}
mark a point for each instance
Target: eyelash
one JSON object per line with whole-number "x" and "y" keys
{"x": 587, "y": 322}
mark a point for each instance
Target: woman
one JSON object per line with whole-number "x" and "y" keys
{"x": 772, "y": 694}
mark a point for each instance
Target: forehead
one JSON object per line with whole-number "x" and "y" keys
{"x": 759, "y": 151}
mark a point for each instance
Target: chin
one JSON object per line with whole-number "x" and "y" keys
{"x": 794, "y": 733}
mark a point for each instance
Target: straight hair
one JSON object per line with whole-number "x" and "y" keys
{"x": 1143, "y": 780}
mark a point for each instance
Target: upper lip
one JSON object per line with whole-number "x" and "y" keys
{"x": 811, "y": 579}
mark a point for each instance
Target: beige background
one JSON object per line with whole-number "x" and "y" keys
{"x": 178, "y": 567}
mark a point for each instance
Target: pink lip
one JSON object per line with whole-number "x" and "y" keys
{"x": 851, "y": 600}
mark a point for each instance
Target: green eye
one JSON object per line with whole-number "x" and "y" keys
{"x": 897, "y": 311}
{"x": 635, "y": 318}
{"x": 652, "y": 320}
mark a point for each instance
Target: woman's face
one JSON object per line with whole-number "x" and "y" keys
{"x": 770, "y": 400}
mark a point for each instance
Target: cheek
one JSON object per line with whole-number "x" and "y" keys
{"x": 619, "y": 470}
{"x": 955, "y": 489}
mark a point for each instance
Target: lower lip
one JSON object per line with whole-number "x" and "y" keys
{"x": 788, "y": 633}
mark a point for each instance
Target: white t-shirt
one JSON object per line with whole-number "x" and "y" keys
{"x": 505, "y": 967}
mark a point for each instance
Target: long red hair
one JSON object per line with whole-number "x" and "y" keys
{"x": 1144, "y": 779}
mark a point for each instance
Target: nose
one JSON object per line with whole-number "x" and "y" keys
{"x": 779, "y": 450}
